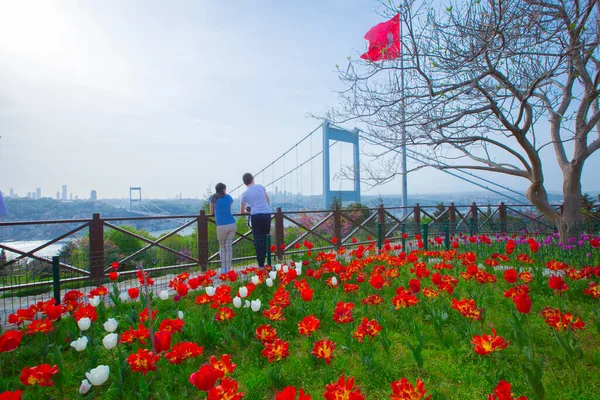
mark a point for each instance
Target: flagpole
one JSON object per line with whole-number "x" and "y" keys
{"x": 403, "y": 130}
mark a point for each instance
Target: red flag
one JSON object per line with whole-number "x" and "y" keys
{"x": 384, "y": 41}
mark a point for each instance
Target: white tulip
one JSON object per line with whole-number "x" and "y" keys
{"x": 85, "y": 386}
{"x": 333, "y": 281}
{"x": 243, "y": 292}
{"x": 164, "y": 295}
{"x": 124, "y": 297}
{"x": 81, "y": 343}
{"x": 110, "y": 341}
{"x": 255, "y": 305}
{"x": 180, "y": 315}
{"x": 84, "y": 323}
{"x": 210, "y": 290}
{"x": 97, "y": 376}
{"x": 110, "y": 325}
{"x": 273, "y": 275}
{"x": 278, "y": 267}
{"x": 255, "y": 280}
{"x": 95, "y": 301}
{"x": 285, "y": 269}
{"x": 269, "y": 282}
{"x": 237, "y": 302}
{"x": 298, "y": 271}
{"x": 247, "y": 304}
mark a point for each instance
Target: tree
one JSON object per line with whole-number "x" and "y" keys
{"x": 489, "y": 85}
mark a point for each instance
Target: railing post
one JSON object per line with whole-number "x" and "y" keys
{"x": 402, "y": 232}
{"x": 452, "y": 218}
{"x": 474, "y": 220}
{"x": 447, "y": 236}
{"x": 425, "y": 236}
{"x": 417, "y": 216}
{"x": 279, "y": 233}
{"x": 380, "y": 226}
{"x": 203, "y": 240}
{"x": 56, "y": 279}
{"x": 503, "y": 220}
{"x": 337, "y": 226}
{"x": 96, "y": 254}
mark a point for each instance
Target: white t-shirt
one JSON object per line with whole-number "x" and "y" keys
{"x": 255, "y": 197}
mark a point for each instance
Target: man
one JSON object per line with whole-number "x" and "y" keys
{"x": 256, "y": 198}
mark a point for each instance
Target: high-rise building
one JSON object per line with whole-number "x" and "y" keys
{"x": 38, "y": 193}
{"x": 71, "y": 196}
{"x": 29, "y": 195}
{"x": 64, "y": 192}
{"x": 57, "y": 195}
{"x": 12, "y": 192}
{"x": 93, "y": 195}
{"x": 76, "y": 197}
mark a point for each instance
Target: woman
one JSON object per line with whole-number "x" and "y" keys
{"x": 220, "y": 206}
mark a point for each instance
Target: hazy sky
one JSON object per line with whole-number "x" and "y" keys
{"x": 175, "y": 96}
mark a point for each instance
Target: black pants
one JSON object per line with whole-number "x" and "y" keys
{"x": 261, "y": 227}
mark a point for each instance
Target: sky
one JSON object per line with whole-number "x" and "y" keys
{"x": 177, "y": 96}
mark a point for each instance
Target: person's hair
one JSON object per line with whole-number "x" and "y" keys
{"x": 219, "y": 192}
{"x": 247, "y": 178}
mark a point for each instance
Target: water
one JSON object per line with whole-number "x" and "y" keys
{"x": 26, "y": 245}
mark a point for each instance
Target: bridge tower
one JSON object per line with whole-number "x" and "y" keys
{"x": 331, "y": 133}
{"x": 137, "y": 199}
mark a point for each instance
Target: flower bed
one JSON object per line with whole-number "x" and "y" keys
{"x": 496, "y": 319}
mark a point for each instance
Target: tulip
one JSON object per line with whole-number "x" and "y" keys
{"x": 180, "y": 315}
{"x": 269, "y": 282}
{"x": 285, "y": 268}
{"x": 255, "y": 305}
{"x": 124, "y": 297}
{"x": 97, "y": 376}
{"x": 110, "y": 325}
{"x": 237, "y": 302}
{"x": 278, "y": 267}
{"x": 333, "y": 281}
{"x": 255, "y": 280}
{"x": 95, "y": 301}
{"x": 210, "y": 290}
{"x": 298, "y": 271}
{"x": 164, "y": 294}
{"x": 85, "y": 386}
{"x": 243, "y": 292}
{"x": 247, "y": 304}
{"x": 273, "y": 275}
{"x": 81, "y": 343}
{"x": 84, "y": 324}
{"x": 110, "y": 341}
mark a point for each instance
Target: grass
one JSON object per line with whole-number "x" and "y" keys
{"x": 451, "y": 369}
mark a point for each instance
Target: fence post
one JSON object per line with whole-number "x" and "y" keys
{"x": 452, "y": 218}
{"x": 426, "y": 236}
{"x": 96, "y": 253}
{"x": 203, "y": 240}
{"x": 402, "y": 232}
{"x": 279, "y": 234}
{"x": 503, "y": 221}
{"x": 337, "y": 226}
{"x": 56, "y": 279}
{"x": 447, "y": 236}
{"x": 380, "y": 226}
{"x": 417, "y": 216}
{"x": 474, "y": 220}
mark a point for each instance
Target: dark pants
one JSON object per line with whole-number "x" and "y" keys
{"x": 261, "y": 227}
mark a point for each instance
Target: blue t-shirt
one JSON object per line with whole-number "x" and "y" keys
{"x": 222, "y": 207}
{"x": 255, "y": 197}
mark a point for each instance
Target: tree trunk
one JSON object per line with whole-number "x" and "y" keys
{"x": 570, "y": 223}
